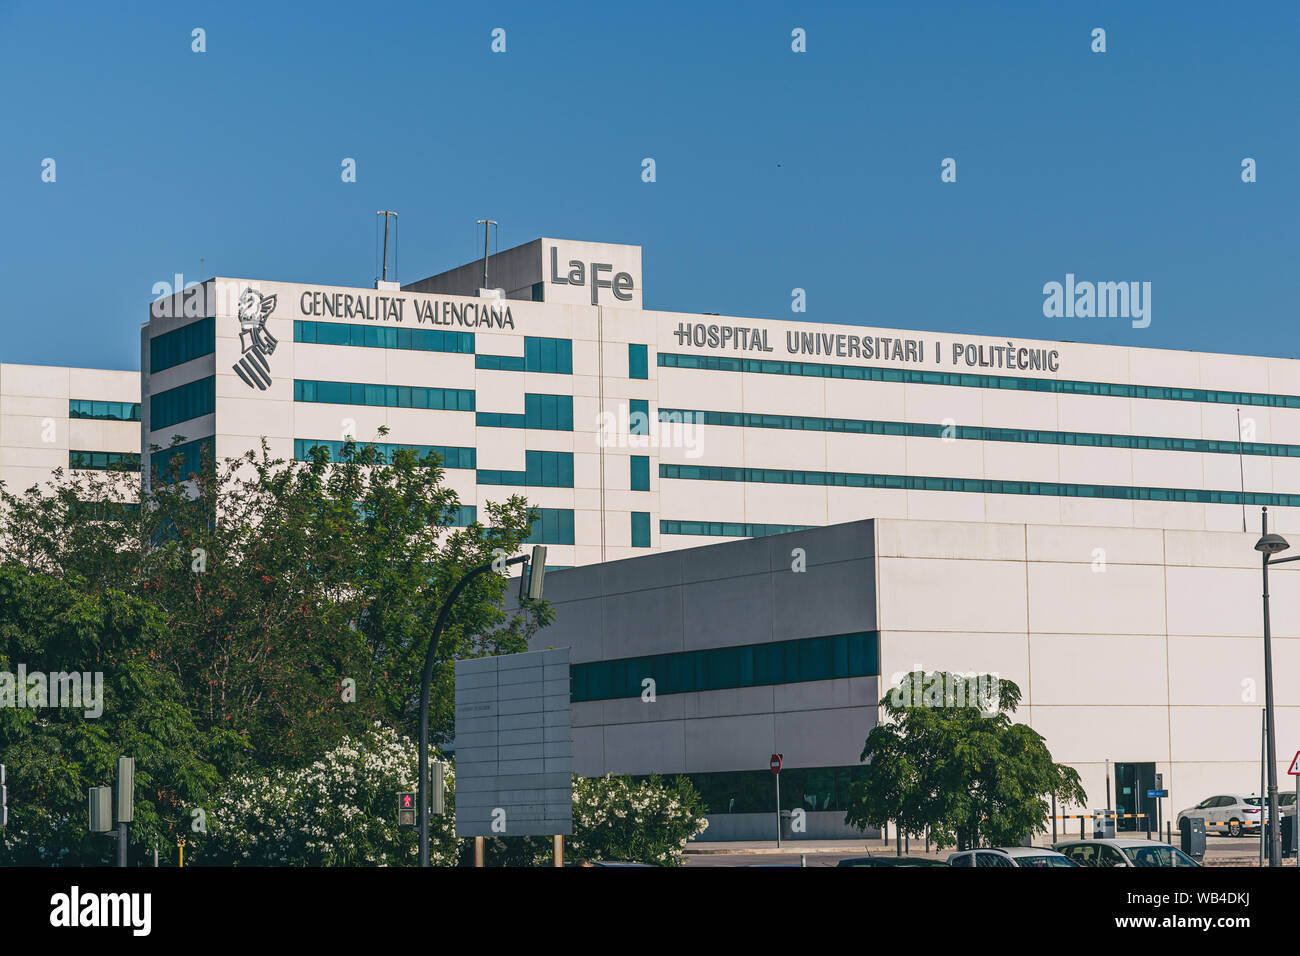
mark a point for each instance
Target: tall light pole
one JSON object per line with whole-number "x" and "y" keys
{"x": 530, "y": 586}
{"x": 1269, "y": 545}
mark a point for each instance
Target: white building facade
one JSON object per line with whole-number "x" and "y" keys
{"x": 633, "y": 429}
{"x": 54, "y": 417}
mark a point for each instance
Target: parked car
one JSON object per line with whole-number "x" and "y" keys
{"x": 1131, "y": 851}
{"x": 889, "y": 861}
{"x": 1233, "y": 814}
{"x": 1030, "y": 856}
{"x": 1286, "y": 802}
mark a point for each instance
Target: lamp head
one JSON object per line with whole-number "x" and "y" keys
{"x": 1271, "y": 544}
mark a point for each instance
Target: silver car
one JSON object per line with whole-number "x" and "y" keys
{"x": 1125, "y": 852}
{"x": 1233, "y": 814}
{"x": 1009, "y": 856}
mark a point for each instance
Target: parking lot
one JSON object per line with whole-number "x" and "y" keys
{"x": 1219, "y": 851}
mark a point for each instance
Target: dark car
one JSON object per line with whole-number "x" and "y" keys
{"x": 889, "y": 861}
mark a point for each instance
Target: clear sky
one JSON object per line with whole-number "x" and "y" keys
{"x": 775, "y": 169}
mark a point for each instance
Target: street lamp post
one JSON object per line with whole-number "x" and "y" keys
{"x": 533, "y": 583}
{"x": 1269, "y": 545}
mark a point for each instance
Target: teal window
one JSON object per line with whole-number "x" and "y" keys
{"x": 382, "y": 337}
{"x": 543, "y": 469}
{"x": 104, "y": 411}
{"x": 462, "y": 516}
{"x": 638, "y": 361}
{"x": 452, "y": 457}
{"x": 975, "y": 433}
{"x": 539, "y": 291}
{"x": 188, "y": 459}
{"x": 640, "y": 529}
{"x": 973, "y": 380}
{"x": 546, "y": 412}
{"x": 552, "y": 526}
{"x": 182, "y": 345}
{"x": 390, "y": 396}
{"x": 727, "y": 529}
{"x": 638, "y": 416}
{"x": 988, "y": 486}
{"x": 104, "y": 460}
{"x": 640, "y": 473}
{"x": 727, "y": 668}
{"x": 182, "y": 403}
{"x": 540, "y": 355}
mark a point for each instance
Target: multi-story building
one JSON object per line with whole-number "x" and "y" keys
{"x": 70, "y": 418}
{"x": 1067, "y": 515}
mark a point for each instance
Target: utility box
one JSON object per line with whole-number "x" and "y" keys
{"x": 101, "y": 809}
{"x": 1103, "y": 825}
{"x": 1192, "y": 837}
{"x": 1288, "y": 835}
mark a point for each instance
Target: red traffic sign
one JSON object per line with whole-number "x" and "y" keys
{"x": 776, "y": 762}
{"x": 1295, "y": 765}
{"x": 407, "y": 801}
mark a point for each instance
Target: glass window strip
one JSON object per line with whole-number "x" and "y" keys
{"x": 976, "y": 433}
{"x": 989, "y": 486}
{"x": 723, "y": 363}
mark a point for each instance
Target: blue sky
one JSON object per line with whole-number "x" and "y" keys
{"x": 775, "y": 170}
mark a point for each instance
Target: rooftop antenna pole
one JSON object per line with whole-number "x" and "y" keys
{"x": 385, "y": 213}
{"x": 487, "y": 225}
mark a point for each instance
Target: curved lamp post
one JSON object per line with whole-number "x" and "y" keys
{"x": 530, "y": 586}
{"x": 1269, "y": 545}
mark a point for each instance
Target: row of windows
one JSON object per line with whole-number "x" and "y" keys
{"x": 974, "y": 433}
{"x": 383, "y": 337}
{"x": 751, "y": 791}
{"x": 182, "y": 403}
{"x": 104, "y": 411}
{"x": 107, "y": 510}
{"x": 724, "y": 363}
{"x": 103, "y": 460}
{"x": 988, "y": 486}
{"x": 727, "y": 529}
{"x": 452, "y": 457}
{"x": 548, "y": 412}
{"x": 540, "y": 355}
{"x": 188, "y": 458}
{"x": 182, "y": 345}
{"x": 551, "y": 526}
{"x": 543, "y": 469}
{"x": 726, "y": 668}
{"x": 389, "y": 396}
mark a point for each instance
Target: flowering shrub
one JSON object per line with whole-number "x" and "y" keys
{"x": 617, "y": 818}
{"x": 340, "y": 811}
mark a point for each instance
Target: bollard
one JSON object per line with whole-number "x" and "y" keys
{"x": 1148, "y": 819}
{"x": 1081, "y": 827}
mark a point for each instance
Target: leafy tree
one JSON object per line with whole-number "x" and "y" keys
{"x": 51, "y": 626}
{"x": 282, "y": 585}
{"x": 948, "y": 757}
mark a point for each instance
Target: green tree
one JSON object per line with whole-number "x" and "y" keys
{"x": 296, "y": 599}
{"x": 948, "y": 757}
{"x": 54, "y": 754}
